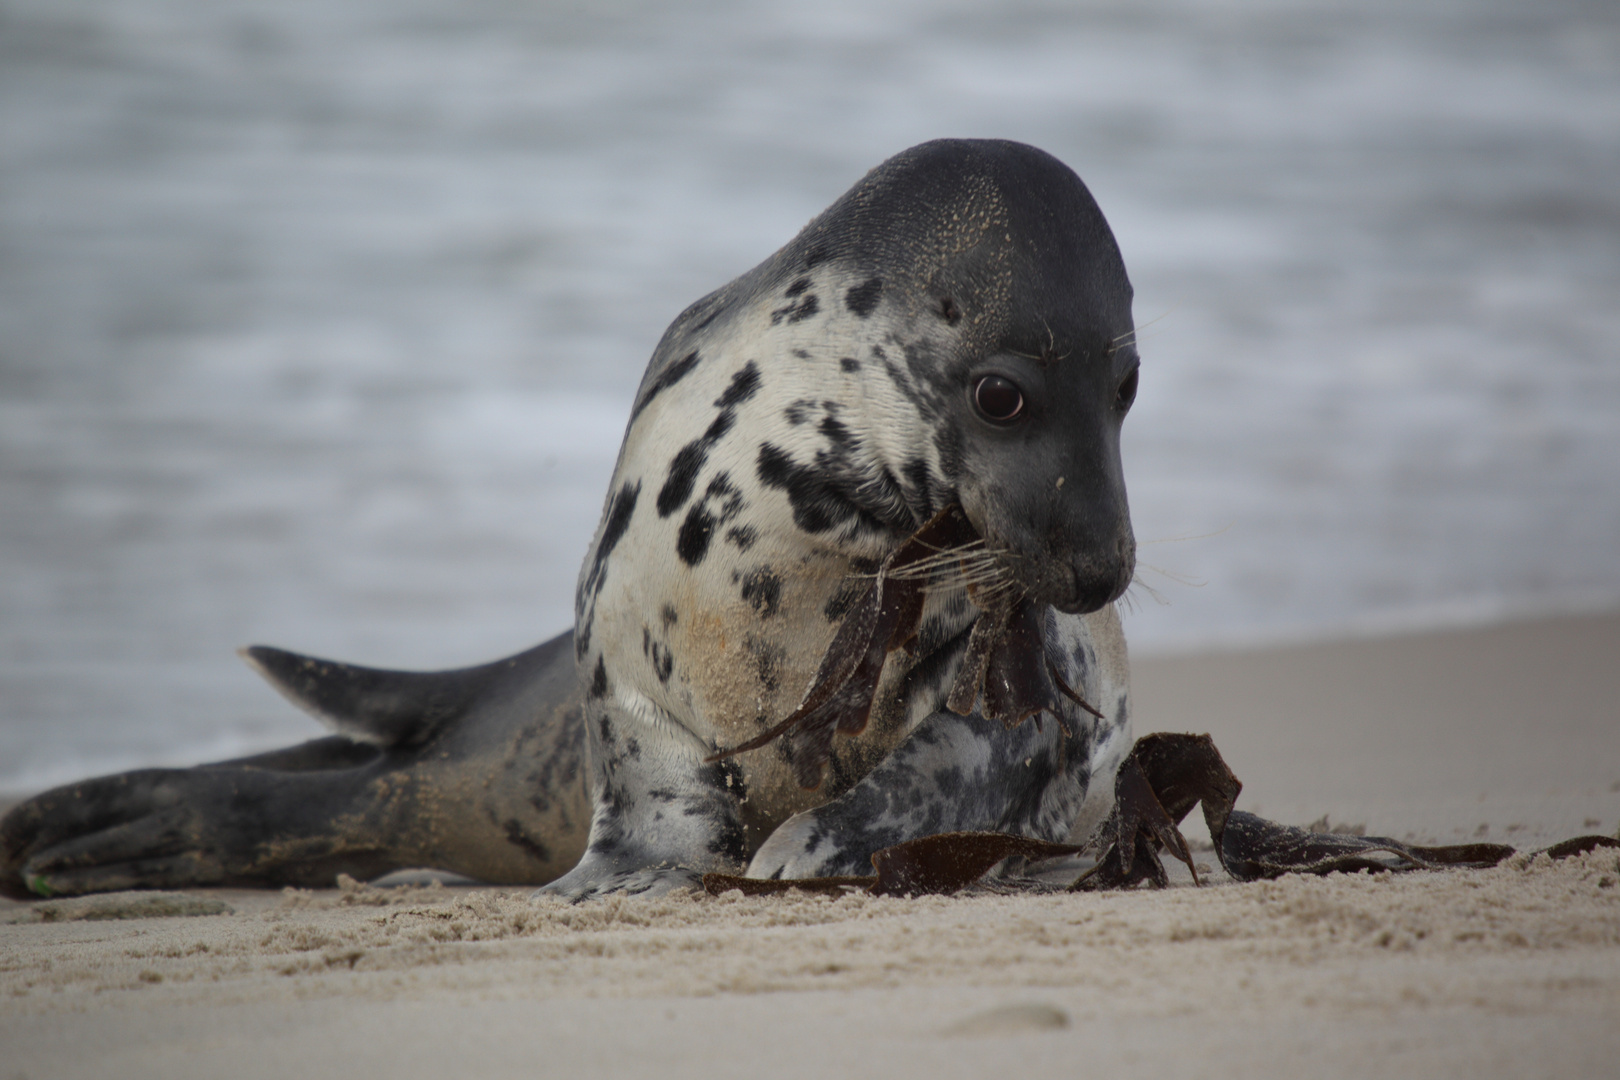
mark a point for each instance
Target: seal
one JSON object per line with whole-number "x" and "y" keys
{"x": 872, "y": 486}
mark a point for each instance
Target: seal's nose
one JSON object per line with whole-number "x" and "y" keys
{"x": 1094, "y": 581}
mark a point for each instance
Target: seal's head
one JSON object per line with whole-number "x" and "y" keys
{"x": 1009, "y": 331}
{"x": 955, "y": 329}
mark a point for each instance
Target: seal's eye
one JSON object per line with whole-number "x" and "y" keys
{"x": 1127, "y": 390}
{"x": 998, "y": 399}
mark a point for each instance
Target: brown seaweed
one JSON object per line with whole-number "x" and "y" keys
{"x": 949, "y": 862}
{"x": 884, "y": 618}
{"x": 1161, "y": 780}
{"x": 1166, "y": 775}
{"x": 1254, "y": 848}
{"x": 1005, "y": 666}
{"x": 1015, "y": 681}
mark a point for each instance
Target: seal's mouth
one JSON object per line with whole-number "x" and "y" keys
{"x": 1080, "y": 590}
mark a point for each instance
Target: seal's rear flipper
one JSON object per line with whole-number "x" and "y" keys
{"x": 478, "y": 771}
{"x": 399, "y": 708}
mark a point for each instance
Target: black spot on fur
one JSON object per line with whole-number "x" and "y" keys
{"x": 834, "y": 429}
{"x": 599, "y": 680}
{"x": 763, "y": 589}
{"x": 668, "y": 615}
{"x": 683, "y": 473}
{"x": 517, "y": 837}
{"x": 667, "y": 378}
{"x": 721, "y": 503}
{"x": 820, "y": 496}
{"x": 743, "y": 536}
{"x": 693, "y": 542}
{"x": 743, "y": 386}
{"x": 689, "y": 460}
{"x": 719, "y": 426}
{"x": 850, "y": 364}
{"x": 658, "y": 654}
{"x": 618, "y": 521}
{"x": 777, "y": 470}
{"x": 726, "y": 500}
{"x": 802, "y": 354}
{"x": 800, "y": 310}
{"x": 798, "y": 412}
{"x": 729, "y": 840}
{"x": 948, "y": 311}
{"x": 862, "y": 299}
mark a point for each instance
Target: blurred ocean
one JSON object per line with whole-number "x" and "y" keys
{"x": 319, "y": 319}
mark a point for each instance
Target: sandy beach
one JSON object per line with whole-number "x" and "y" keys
{"x": 1510, "y": 733}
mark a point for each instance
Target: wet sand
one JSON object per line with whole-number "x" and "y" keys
{"x": 1510, "y": 733}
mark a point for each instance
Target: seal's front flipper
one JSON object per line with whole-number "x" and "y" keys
{"x": 391, "y": 708}
{"x": 649, "y": 881}
{"x": 952, "y": 774}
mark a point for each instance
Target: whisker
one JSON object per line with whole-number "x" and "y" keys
{"x": 1174, "y": 575}
{"x": 1139, "y": 327}
{"x": 994, "y": 592}
{"x": 970, "y": 545}
{"x": 944, "y": 558}
{"x": 1182, "y": 539}
{"x": 960, "y": 560}
{"x": 1139, "y": 586}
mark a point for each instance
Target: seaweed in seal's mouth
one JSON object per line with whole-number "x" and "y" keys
{"x": 1006, "y": 665}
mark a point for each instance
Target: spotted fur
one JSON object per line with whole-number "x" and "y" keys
{"x": 791, "y": 430}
